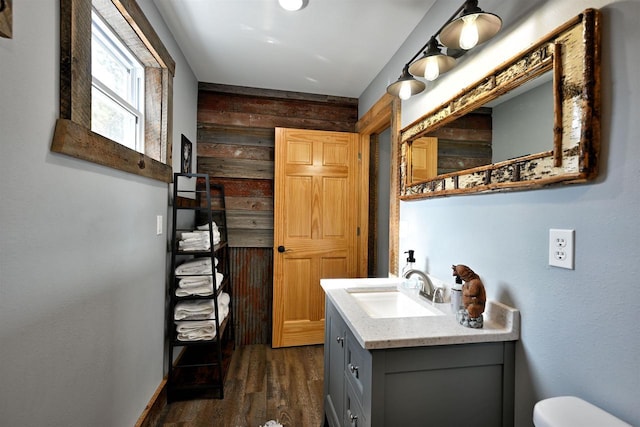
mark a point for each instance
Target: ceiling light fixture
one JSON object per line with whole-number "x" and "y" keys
{"x": 458, "y": 34}
{"x": 292, "y": 5}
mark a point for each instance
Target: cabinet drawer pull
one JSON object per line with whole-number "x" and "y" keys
{"x": 340, "y": 340}
{"x": 352, "y": 418}
{"x": 354, "y": 369}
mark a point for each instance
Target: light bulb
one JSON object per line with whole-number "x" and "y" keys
{"x": 469, "y": 33}
{"x": 431, "y": 69}
{"x": 405, "y": 90}
{"x": 291, "y": 5}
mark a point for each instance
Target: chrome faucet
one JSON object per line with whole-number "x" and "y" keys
{"x": 427, "y": 289}
{"x": 438, "y": 295}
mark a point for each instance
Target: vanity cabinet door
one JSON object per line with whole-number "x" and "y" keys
{"x": 334, "y": 366}
{"x": 354, "y": 414}
{"x": 448, "y": 385}
{"x": 358, "y": 366}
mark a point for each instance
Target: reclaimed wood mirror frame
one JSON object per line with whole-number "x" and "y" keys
{"x": 572, "y": 53}
{"x": 6, "y": 19}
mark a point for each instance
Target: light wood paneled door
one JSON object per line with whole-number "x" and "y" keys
{"x": 315, "y": 227}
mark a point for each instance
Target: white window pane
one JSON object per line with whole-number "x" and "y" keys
{"x": 111, "y": 120}
{"x": 118, "y": 88}
{"x": 107, "y": 68}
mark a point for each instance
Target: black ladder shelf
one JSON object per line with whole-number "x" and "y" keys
{"x": 202, "y": 348}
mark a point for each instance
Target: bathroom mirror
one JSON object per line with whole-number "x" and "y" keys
{"x": 479, "y": 144}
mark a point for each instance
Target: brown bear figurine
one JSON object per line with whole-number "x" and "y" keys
{"x": 474, "y": 296}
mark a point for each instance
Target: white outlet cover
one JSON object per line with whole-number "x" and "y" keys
{"x": 561, "y": 248}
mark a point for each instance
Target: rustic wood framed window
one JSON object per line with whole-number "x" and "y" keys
{"x": 73, "y": 135}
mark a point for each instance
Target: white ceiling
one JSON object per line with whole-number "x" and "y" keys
{"x": 331, "y": 47}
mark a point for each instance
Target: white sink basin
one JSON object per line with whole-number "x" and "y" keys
{"x": 390, "y": 303}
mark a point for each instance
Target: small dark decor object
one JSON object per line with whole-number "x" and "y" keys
{"x": 474, "y": 297}
{"x": 6, "y": 19}
{"x": 186, "y": 150}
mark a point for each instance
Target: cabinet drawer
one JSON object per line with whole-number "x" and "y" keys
{"x": 358, "y": 366}
{"x": 354, "y": 415}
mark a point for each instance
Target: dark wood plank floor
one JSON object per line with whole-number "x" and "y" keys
{"x": 262, "y": 384}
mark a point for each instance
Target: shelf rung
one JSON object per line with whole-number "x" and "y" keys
{"x": 197, "y": 365}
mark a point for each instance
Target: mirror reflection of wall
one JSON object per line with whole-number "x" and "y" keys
{"x": 523, "y": 124}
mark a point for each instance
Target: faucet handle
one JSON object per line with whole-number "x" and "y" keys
{"x": 438, "y": 295}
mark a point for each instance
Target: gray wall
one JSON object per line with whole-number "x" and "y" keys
{"x": 579, "y": 327}
{"x": 82, "y": 272}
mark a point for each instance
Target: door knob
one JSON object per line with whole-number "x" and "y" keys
{"x": 281, "y": 249}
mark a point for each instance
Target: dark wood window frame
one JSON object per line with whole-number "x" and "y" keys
{"x": 73, "y": 135}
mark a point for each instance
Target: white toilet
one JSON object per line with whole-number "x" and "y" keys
{"x": 570, "y": 411}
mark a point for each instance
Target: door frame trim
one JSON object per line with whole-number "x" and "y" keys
{"x": 385, "y": 113}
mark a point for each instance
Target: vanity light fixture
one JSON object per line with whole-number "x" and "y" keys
{"x": 472, "y": 28}
{"x": 458, "y": 34}
{"x": 292, "y": 5}
{"x": 433, "y": 62}
{"x": 406, "y": 86}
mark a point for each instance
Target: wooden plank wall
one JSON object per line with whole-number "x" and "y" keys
{"x": 241, "y": 160}
{"x": 235, "y": 146}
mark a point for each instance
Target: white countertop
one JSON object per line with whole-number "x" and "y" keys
{"x": 501, "y": 323}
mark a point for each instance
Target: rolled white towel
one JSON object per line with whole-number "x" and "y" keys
{"x": 196, "y": 331}
{"x": 205, "y": 325}
{"x": 194, "y": 246}
{"x": 195, "y": 281}
{"x": 193, "y": 235}
{"x": 195, "y": 241}
{"x": 195, "y": 285}
{"x": 224, "y": 299}
{"x": 214, "y": 226}
{"x": 196, "y": 336}
{"x": 223, "y": 311}
{"x": 199, "y": 236}
{"x": 200, "y": 280}
{"x": 202, "y": 309}
{"x": 203, "y": 291}
{"x": 195, "y": 266}
{"x": 200, "y": 329}
{"x": 194, "y": 310}
{"x": 219, "y": 278}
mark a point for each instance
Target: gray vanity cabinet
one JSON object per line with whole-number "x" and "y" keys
{"x": 447, "y": 385}
{"x": 335, "y": 332}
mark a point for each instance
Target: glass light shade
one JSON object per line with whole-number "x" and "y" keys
{"x": 454, "y": 34}
{"x": 405, "y": 90}
{"x": 469, "y": 33}
{"x": 431, "y": 70}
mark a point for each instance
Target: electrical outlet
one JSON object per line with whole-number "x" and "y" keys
{"x": 159, "y": 225}
{"x": 561, "y": 248}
